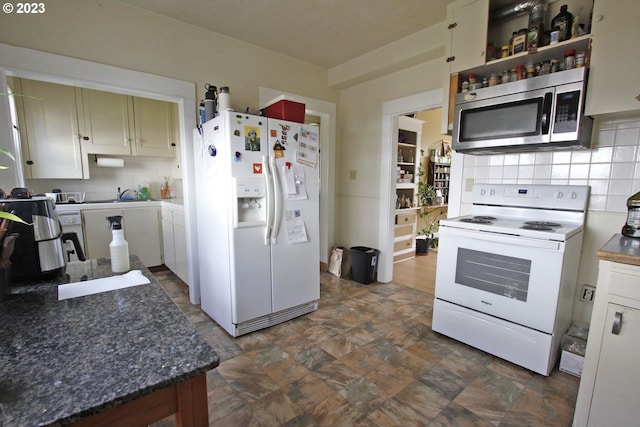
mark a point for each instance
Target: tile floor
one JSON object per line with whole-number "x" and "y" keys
{"x": 368, "y": 357}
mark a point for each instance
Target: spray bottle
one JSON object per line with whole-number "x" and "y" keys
{"x": 118, "y": 248}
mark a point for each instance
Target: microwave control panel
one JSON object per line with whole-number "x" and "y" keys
{"x": 567, "y": 111}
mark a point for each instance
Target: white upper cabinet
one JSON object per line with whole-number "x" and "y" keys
{"x": 615, "y": 58}
{"x": 467, "y": 23}
{"x": 153, "y": 128}
{"x": 49, "y": 134}
{"x": 105, "y": 122}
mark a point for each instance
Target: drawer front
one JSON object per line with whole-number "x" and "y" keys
{"x": 402, "y": 245}
{"x": 625, "y": 284}
{"x": 403, "y": 230}
{"x": 401, "y": 257}
{"x": 406, "y": 219}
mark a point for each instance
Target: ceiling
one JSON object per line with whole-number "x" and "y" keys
{"x": 322, "y": 32}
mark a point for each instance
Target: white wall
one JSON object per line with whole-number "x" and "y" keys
{"x": 360, "y": 150}
{"x": 611, "y": 167}
{"x": 109, "y": 32}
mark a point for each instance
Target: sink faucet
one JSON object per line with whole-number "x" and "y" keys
{"x": 121, "y": 193}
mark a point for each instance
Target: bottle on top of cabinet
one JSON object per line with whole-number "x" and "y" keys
{"x": 536, "y": 25}
{"x": 563, "y": 21}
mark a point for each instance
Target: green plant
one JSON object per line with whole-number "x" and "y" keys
{"x": 427, "y": 195}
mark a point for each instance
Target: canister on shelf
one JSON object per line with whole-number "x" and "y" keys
{"x": 506, "y": 76}
{"x": 545, "y": 68}
{"x": 555, "y": 66}
{"x": 504, "y": 51}
{"x": 465, "y": 86}
{"x": 569, "y": 59}
{"x": 520, "y": 41}
{"x": 580, "y": 59}
{"x": 472, "y": 79}
{"x": 494, "y": 80}
{"x": 491, "y": 54}
{"x": 520, "y": 72}
{"x": 531, "y": 71}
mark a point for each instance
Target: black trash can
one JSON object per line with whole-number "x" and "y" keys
{"x": 364, "y": 264}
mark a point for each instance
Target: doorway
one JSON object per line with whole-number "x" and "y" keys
{"x": 391, "y": 110}
{"x": 416, "y": 269}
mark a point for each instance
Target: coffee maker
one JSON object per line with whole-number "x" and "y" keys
{"x": 39, "y": 250}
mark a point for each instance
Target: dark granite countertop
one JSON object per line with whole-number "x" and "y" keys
{"x": 622, "y": 249}
{"x": 61, "y": 361}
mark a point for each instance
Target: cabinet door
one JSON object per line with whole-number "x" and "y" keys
{"x": 465, "y": 48}
{"x": 50, "y": 131}
{"x": 153, "y": 124}
{"x": 176, "y": 165}
{"x": 468, "y": 35}
{"x": 180, "y": 245}
{"x": 167, "y": 240}
{"x": 615, "y": 399}
{"x": 97, "y": 234}
{"x": 615, "y": 58}
{"x": 142, "y": 232}
{"x": 105, "y": 124}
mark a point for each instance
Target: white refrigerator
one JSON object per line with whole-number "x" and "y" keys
{"x": 257, "y": 202}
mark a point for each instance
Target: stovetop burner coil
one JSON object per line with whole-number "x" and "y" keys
{"x": 543, "y": 224}
{"x": 480, "y": 219}
{"x": 477, "y": 220}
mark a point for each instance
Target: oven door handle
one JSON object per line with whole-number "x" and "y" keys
{"x": 500, "y": 238}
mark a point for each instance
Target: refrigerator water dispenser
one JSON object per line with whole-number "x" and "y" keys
{"x": 251, "y": 204}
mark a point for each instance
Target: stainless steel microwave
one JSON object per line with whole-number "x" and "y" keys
{"x": 544, "y": 112}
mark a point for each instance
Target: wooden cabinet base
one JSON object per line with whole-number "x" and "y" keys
{"x": 188, "y": 400}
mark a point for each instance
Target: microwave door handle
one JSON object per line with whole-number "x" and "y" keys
{"x": 545, "y": 119}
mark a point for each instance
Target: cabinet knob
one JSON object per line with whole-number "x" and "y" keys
{"x": 85, "y": 138}
{"x": 451, "y": 58}
{"x": 452, "y": 26}
{"x": 29, "y": 162}
{"x": 173, "y": 144}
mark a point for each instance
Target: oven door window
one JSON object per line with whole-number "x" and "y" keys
{"x": 502, "y": 121}
{"x": 498, "y": 274}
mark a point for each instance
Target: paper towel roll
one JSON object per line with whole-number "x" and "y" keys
{"x": 106, "y": 162}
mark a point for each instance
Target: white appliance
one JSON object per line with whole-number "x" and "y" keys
{"x": 506, "y": 274}
{"x": 545, "y": 112}
{"x": 258, "y": 220}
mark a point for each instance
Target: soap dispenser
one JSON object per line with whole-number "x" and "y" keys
{"x": 118, "y": 248}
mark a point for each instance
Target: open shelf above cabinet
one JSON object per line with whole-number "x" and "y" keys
{"x": 545, "y": 53}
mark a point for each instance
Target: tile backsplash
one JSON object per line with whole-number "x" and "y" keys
{"x": 611, "y": 167}
{"x": 104, "y": 182}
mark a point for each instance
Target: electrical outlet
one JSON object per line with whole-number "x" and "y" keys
{"x": 468, "y": 184}
{"x": 587, "y": 294}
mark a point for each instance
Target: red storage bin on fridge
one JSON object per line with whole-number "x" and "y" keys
{"x": 286, "y": 110}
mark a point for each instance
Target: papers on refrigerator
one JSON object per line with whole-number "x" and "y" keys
{"x": 294, "y": 225}
{"x": 308, "y": 149}
{"x": 294, "y": 182}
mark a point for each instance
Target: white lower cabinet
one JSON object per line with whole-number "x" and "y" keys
{"x": 608, "y": 387}
{"x": 175, "y": 242}
{"x": 141, "y": 231}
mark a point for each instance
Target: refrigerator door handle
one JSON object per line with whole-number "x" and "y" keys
{"x": 268, "y": 176}
{"x": 277, "y": 195}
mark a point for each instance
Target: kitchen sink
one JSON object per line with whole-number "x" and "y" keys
{"x": 120, "y": 201}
